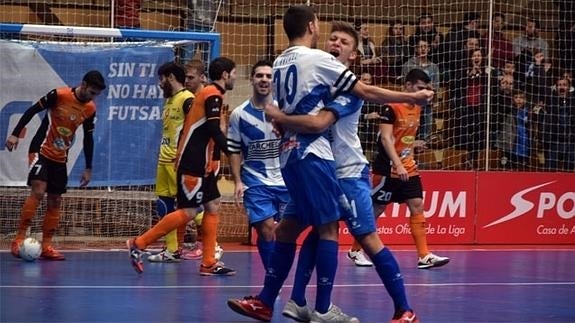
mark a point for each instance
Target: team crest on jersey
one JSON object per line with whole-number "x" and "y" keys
{"x": 60, "y": 144}
{"x": 64, "y": 131}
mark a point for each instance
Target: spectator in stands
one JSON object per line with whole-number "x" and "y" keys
{"x": 421, "y": 61}
{"x": 501, "y": 47}
{"x": 368, "y": 58}
{"x": 368, "y": 122}
{"x": 127, "y": 13}
{"x": 64, "y": 110}
{"x": 524, "y": 46}
{"x": 565, "y": 40}
{"x": 426, "y": 30}
{"x": 502, "y": 101}
{"x": 469, "y": 111}
{"x": 453, "y": 47}
{"x": 557, "y": 128}
{"x": 537, "y": 79}
{"x": 515, "y": 134}
{"x": 395, "y": 49}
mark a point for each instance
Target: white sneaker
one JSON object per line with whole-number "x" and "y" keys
{"x": 296, "y": 312}
{"x": 432, "y": 260}
{"x": 219, "y": 252}
{"x": 333, "y": 315}
{"x": 359, "y": 258}
{"x": 165, "y": 256}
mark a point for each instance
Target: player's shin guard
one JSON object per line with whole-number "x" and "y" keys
{"x": 417, "y": 226}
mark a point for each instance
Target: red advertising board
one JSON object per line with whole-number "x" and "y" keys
{"x": 530, "y": 208}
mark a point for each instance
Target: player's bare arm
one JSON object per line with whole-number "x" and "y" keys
{"x": 384, "y": 96}
{"x": 388, "y": 141}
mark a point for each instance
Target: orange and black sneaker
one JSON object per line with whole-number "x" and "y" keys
{"x": 405, "y": 317}
{"x": 217, "y": 269}
{"x": 15, "y": 247}
{"x": 49, "y": 253}
{"x": 251, "y": 306}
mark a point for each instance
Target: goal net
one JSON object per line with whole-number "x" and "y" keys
{"x": 484, "y": 57}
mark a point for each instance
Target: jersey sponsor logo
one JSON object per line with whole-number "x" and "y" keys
{"x": 408, "y": 140}
{"x": 544, "y": 201}
{"x": 66, "y": 132}
{"x": 263, "y": 149}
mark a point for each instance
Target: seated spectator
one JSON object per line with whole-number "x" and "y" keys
{"x": 514, "y": 137}
{"x": 395, "y": 49}
{"x": 426, "y": 30}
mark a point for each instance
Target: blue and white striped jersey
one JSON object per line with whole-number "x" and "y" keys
{"x": 304, "y": 79}
{"x": 346, "y": 145}
{"x": 251, "y": 135}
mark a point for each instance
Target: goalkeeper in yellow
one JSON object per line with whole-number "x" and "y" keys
{"x": 178, "y": 102}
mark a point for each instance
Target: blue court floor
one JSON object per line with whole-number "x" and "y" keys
{"x": 519, "y": 285}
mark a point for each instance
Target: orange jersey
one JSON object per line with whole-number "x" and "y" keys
{"x": 196, "y": 147}
{"x": 405, "y": 120}
{"x": 65, "y": 113}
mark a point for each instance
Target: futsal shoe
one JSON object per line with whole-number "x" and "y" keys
{"x": 432, "y": 260}
{"x": 15, "y": 247}
{"x": 359, "y": 258}
{"x": 49, "y": 253}
{"x": 406, "y": 317}
{"x": 165, "y": 256}
{"x": 135, "y": 256}
{"x": 251, "y": 306}
{"x": 217, "y": 269}
{"x": 296, "y": 312}
{"x": 333, "y": 314}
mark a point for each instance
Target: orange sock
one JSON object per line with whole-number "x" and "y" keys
{"x": 355, "y": 246}
{"x": 168, "y": 223}
{"x": 209, "y": 236}
{"x": 417, "y": 225}
{"x": 26, "y": 216}
{"x": 181, "y": 234}
{"x": 49, "y": 226}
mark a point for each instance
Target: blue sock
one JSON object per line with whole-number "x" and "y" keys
{"x": 280, "y": 262}
{"x": 326, "y": 267}
{"x": 388, "y": 271}
{"x": 264, "y": 249}
{"x": 304, "y": 269}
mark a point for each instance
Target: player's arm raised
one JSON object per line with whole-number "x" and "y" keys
{"x": 384, "y": 96}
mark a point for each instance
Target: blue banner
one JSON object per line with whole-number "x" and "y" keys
{"x": 128, "y": 117}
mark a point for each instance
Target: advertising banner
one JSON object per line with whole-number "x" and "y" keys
{"x": 525, "y": 208}
{"x": 128, "y": 117}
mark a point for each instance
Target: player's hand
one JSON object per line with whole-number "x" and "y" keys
{"x": 11, "y": 143}
{"x": 238, "y": 193}
{"x": 423, "y": 97}
{"x": 272, "y": 111}
{"x": 402, "y": 172}
{"x": 86, "y": 176}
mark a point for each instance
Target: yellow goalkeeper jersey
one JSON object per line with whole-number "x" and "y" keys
{"x": 173, "y": 115}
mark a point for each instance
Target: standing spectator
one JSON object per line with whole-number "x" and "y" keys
{"x": 254, "y": 160}
{"x": 524, "y": 46}
{"x": 515, "y": 136}
{"x": 501, "y": 47}
{"x": 453, "y": 47}
{"x": 368, "y": 59}
{"x": 65, "y": 110}
{"x": 426, "y": 30}
{"x": 470, "y": 93}
{"x": 421, "y": 61}
{"x": 502, "y": 101}
{"x": 368, "y": 122}
{"x": 127, "y": 14}
{"x": 537, "y": 78}
{"x": 395, "y": 49}
{"x": 557, "y": 128}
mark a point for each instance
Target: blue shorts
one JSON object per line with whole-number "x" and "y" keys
{"x": 263, "y": 202}
{"x": 358, "y": 191}
{"x": 316, "y": 196}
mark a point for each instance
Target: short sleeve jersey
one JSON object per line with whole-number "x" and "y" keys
{"x": 196, "y": 147}
{"x": 250, "y": 134}
{"x": 304, "y": 79}
{"x": 405, "y": 120}
{"x": 57, "y": 131}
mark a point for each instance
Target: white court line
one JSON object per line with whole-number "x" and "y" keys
{"x": 568, "y": 283}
